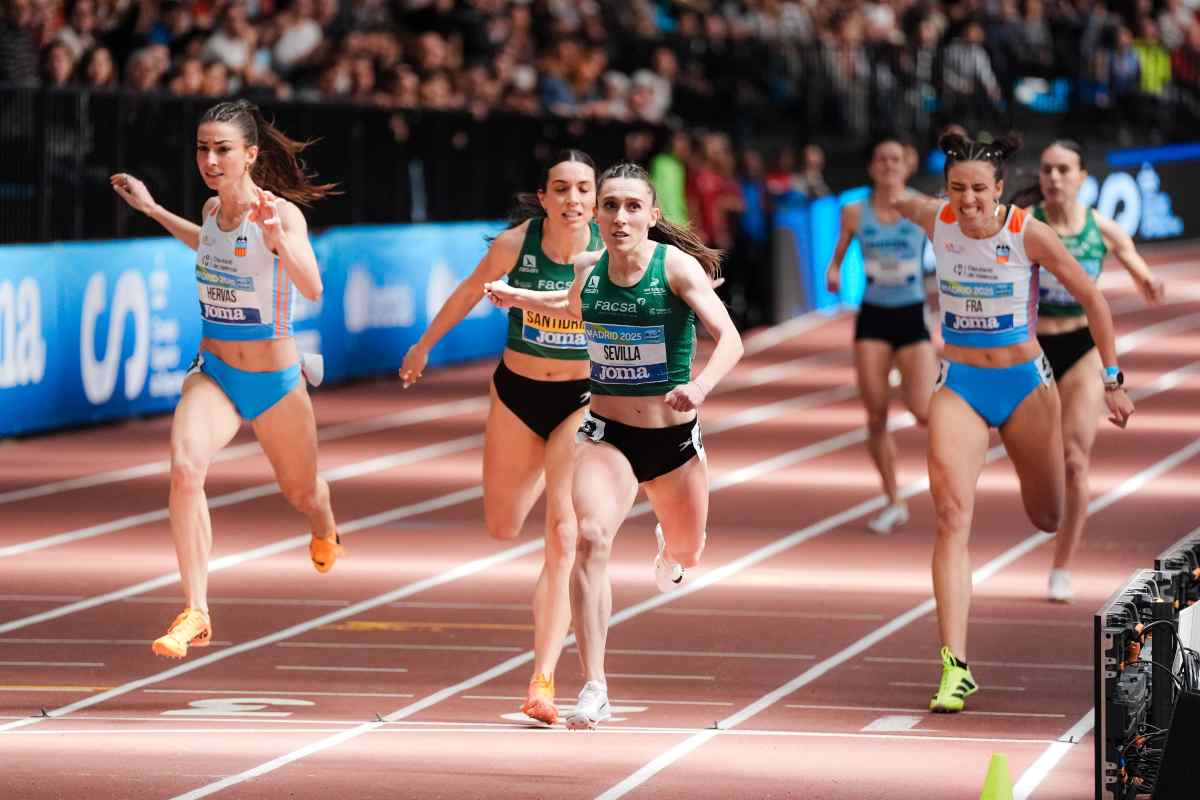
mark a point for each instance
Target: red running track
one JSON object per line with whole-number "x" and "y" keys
{"x": 797, "y": 663}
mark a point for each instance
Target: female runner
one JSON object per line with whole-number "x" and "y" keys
{"x": 890, "y": 328}
{"x": 538, "y": 394}
{"x": 251, "y": 248}
{"x": 638, "y": 302}
{"x": 993, "y": 373}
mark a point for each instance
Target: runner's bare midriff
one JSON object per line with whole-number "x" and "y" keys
{"x": 546, "y": 369}
{"x": 640, "y": 412}
{"x": 993, "y": 357}
{"x": 260, "y": 355}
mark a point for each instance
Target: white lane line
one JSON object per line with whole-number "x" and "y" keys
{"x": 276, "y": 692}
{"x": 344, "y": 430}
{"x": 753, "y": 344}
{"x": 1004, "y": 664}
{"x": 51, "y": 663}
{"x": 732, "y": 612}
{"x": 979, "y": 576}
{"x": 455, "y": 728}
{"x": 354, "y": 470}
{"x": 1048, "y": 760}
{"x": 706, "y": 654}
{"x": 436, "y": 648}
{"x": 297, "y": 668}
{"x": 243, "y": 601}
{"x": 444, "y": 501}
{"x": 236, "y": 559}
{"x": 627, "y": 701}
{"x": 465, "y": 606}
{"x": 39, "y": 598}
{"x": 652, "y": 676}
{"x": 894, "y": 709}
{"x": 989, "y": 687}
{"x": 93, "y": 642}
{"x": 893, "y": 723}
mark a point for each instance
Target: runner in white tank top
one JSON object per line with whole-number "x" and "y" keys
{"x": 993, "y": 372}
{"x": 252, "y": 253}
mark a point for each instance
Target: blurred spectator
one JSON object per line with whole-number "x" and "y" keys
{"x": 233, "y": 43}
{"x": 79, "y": 34}
{"x": 969, "y": 88}
{"x": 711, "y": 190}
{"x": 19, "y": 44}
{"x": 811, "y": 181}
{"x": 216, "y": 79}
{"x": 142, "y": 71}
{"x": 752, "y": 243}
{"x": 668, "y": 171}
{"x": 98, "y": 70}
{"x": 58, "y": 64}
{"x": 299, "y": 36}
{"x": 1174, "y": 22}
{"x": 189, "y": 80}
{"x": 781, "y": 179}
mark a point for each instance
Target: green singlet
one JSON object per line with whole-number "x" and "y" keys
{"x": 1089, "y": 250}
{"x": 641, "y": 338}
{"x": 533, "y": 332}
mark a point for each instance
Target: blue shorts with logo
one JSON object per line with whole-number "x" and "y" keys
{"x": 994, "y": 392}
{"x": 251, "y": 393}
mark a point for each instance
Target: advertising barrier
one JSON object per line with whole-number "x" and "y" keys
{"x": 92, "y": 332}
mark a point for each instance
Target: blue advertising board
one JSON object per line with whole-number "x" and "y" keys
{"x": 98, "y": 331}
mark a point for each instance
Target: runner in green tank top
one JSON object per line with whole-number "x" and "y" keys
{"x": 1064, "y": 334}
{"x": 538, "y": 394}
{"x": 638, "y": 303}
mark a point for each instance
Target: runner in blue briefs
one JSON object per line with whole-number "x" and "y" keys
{"x": 252, "y": 255}
{"x": 993, "y": 373}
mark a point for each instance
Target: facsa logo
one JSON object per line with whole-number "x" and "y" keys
{"x": 129, "y": 300}
{"x": 22, "y": 347}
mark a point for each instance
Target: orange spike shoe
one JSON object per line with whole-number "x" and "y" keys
{"x": 324, "y": 552}
{"x": 539, "y": 702}
{"x": 191, "y": 627}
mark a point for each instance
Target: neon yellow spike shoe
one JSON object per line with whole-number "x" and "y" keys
{"x": 957, "y": 685}
{"x": 539, "y": 702}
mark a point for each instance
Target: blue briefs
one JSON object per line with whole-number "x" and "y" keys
{"x": 994, "y": 392}
{"x": 252, "y": 393}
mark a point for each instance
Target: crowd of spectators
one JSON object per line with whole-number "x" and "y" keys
{"x": 842, "y": 65}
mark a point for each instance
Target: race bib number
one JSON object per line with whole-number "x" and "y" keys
{"x": 627, "y": 354}
{"x": 891, "y": 271}
{"x": 979, "y": 307}
{"x": 553, "y": 332}
{"x": 228, "y": 299}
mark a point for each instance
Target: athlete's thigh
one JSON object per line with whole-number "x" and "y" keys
{"x": 603, "y": 488}
{"x": 561, "y": 451}
{"x": 958, "y": 441}
{"x": 1033, "y": 438}
{"x": 204, "y": 420}
{"x": 1081, "y": 393}
{"x": 680, "y": 501}
{"x": 872, "y": 364}
{"x": 287, "y": 432}
{"x": 918, "y": 370}
{"x": 514, "y": 459}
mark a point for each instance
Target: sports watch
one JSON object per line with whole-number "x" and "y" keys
{"x": 1113, "y": 378}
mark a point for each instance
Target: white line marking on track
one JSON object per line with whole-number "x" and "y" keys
{"x": 733, "y": 612}
{"x": 989, "y": 687}
{"x": 974, "y": 662}
{"x": 1036, "y": 772}
{"x": 297, "y": 668}
{"x": 354, "y": 470}
{"x": 277, "y": 692}
{"x": 984, "y": 573}
{"x": 705, "y": 654}
{"x": 815, "y": 707}
{"x": 38, "y": 598}
{"x": 436, "y": 648}
{"x": 518, "y": 699}
{"x": 344, "y": 430}
{"x": 244, "y": 601}
{"x": 753, "y": 344}
{"x": 101, "y": 642}
{"x": 893, "y": 723}
{"x": 51, "y": 663}
{"x": 653, "y": 676}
